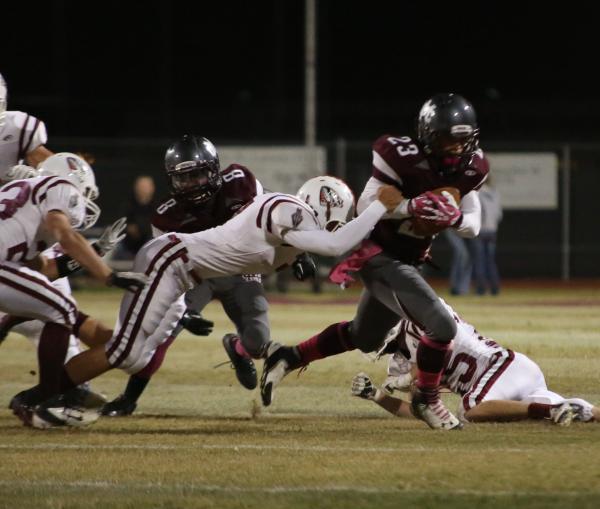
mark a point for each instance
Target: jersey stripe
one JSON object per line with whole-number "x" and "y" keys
{"x": 262, "y": 208}
{"x": 174, "y": 241}
{"x": 383, "y": 167}
{"x": 52, "y": 180}
{"x": 54, "y": 184}
{"x": 21, "y": 137}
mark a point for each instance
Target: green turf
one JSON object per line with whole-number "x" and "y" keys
{"x": 199, "y": 440}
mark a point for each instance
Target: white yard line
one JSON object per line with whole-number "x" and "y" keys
{"x": 166, "y": 487}
{"x": 254, "y": 447}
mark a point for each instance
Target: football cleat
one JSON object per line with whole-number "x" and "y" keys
{"x": 562, "y": 414}
{"x": 119, "y": 407}
{"x": 362, "y": 386}
{"x": 431, "y": 410}
{"x": 57, "y": 412}
{"x": 280, "y": 361}
{"x": 82, "y": 396}
{"x": 245, "y": 371}
{"x": 582, "y": 410}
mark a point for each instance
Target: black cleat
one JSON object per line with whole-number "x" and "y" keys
{"x": 23, "y": 404}
{"x": 119, "y": 407}
{"x": 245, "y": 371}
{"x": 280, "y": 361}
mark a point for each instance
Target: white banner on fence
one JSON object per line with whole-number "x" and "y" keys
{"x": 282, "y": 169}
{"x": 525, "y": 180}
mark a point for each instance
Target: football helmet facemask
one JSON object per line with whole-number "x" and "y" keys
{"x": 193, "y": 169}
{"x": 331, "y": 199}
{"x": 77, "y": 171}
{"x": 447, "y": 129}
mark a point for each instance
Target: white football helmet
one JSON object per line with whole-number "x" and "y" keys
{"x": 80, "y": 174}
{"x": 3, "y": 100}
{"x": 331, "y": 199}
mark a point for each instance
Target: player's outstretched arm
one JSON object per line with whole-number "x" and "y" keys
{"x": 363, "y": 387}
{"x": 79, "y": 253}
{"x": 345, "y": 238}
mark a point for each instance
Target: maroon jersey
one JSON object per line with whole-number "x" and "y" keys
{"x": 239, "y": 187}
{"x": 403, "y": 163}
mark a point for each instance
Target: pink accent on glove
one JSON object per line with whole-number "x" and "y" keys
{"x": 420, "y": 206}
{"x": 434, "y": 208}
{"x": 340, "y": 274}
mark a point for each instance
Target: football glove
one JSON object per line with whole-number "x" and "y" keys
{"x": 362, "y": 386}
{"x": 131, "y": 281}
{"x": 196, "y": 324}
{"x": 111, "y": 236}
{"x": 20, "y": 172}
{"x": 304, "y": 267}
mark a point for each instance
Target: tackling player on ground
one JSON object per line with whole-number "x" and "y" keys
{"x": 495, "y": 383}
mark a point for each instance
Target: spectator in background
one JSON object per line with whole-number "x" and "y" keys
{"x": 461, "y": 267}
{"x": 485, "y": 270}
{"x": 139, "y": 215}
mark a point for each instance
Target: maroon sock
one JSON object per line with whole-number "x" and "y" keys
{"x": 539, "y": 411}
{"x": 332, "y": 341}
{"x": 431, "y": 356}
{"x": 157, "y": 359}
{"x": 81, "y": 317}
{"x": 66, "y": 384}
{"x": 52, "y": 350}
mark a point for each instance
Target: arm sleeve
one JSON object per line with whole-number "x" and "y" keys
{"x": 339, "y": 242}
{"x": 369, "y": 195}
{"x": 470, "y": 207}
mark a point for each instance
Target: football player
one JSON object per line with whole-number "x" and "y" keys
{"x": 269, "y": 233}
{"x": 22, "y": 139}
{"x": 495, "y": 383}
{"x": 202, "y": 197}
{"x": 33, "y": 214}
{"x": 445, "y": 153}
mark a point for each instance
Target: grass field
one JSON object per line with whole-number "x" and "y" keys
{"x": 200, "y": 440}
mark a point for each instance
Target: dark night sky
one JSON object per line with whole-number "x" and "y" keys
{"x": 234, "y": 70}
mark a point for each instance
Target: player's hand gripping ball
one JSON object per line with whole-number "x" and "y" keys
{"x": 434, "y": 211}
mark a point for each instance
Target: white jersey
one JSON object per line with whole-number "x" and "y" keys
{"x": 268, "y": 234}
{"x": 24, "y": 205}
{"x": 468, "y": 359}
{"x": 20, "y": 134}
{"x": 252, "y": 241}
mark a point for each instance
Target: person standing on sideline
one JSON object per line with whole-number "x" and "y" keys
{"x": 485, "y": 269}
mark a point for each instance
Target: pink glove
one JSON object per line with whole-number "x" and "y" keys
{"x": 443, "y": 212}
{"x": 422, "y": 205}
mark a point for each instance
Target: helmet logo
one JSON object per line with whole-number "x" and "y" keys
{"x": 297, "y": 217}
{"x": 73, "y": 164}
{"x": 329, "y": 198}
{"x": 427, "y": 111}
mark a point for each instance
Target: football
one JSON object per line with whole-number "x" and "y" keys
{"x": 425, "y": 228}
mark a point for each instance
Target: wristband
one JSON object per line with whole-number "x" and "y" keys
{"x": 65, "y": 265}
